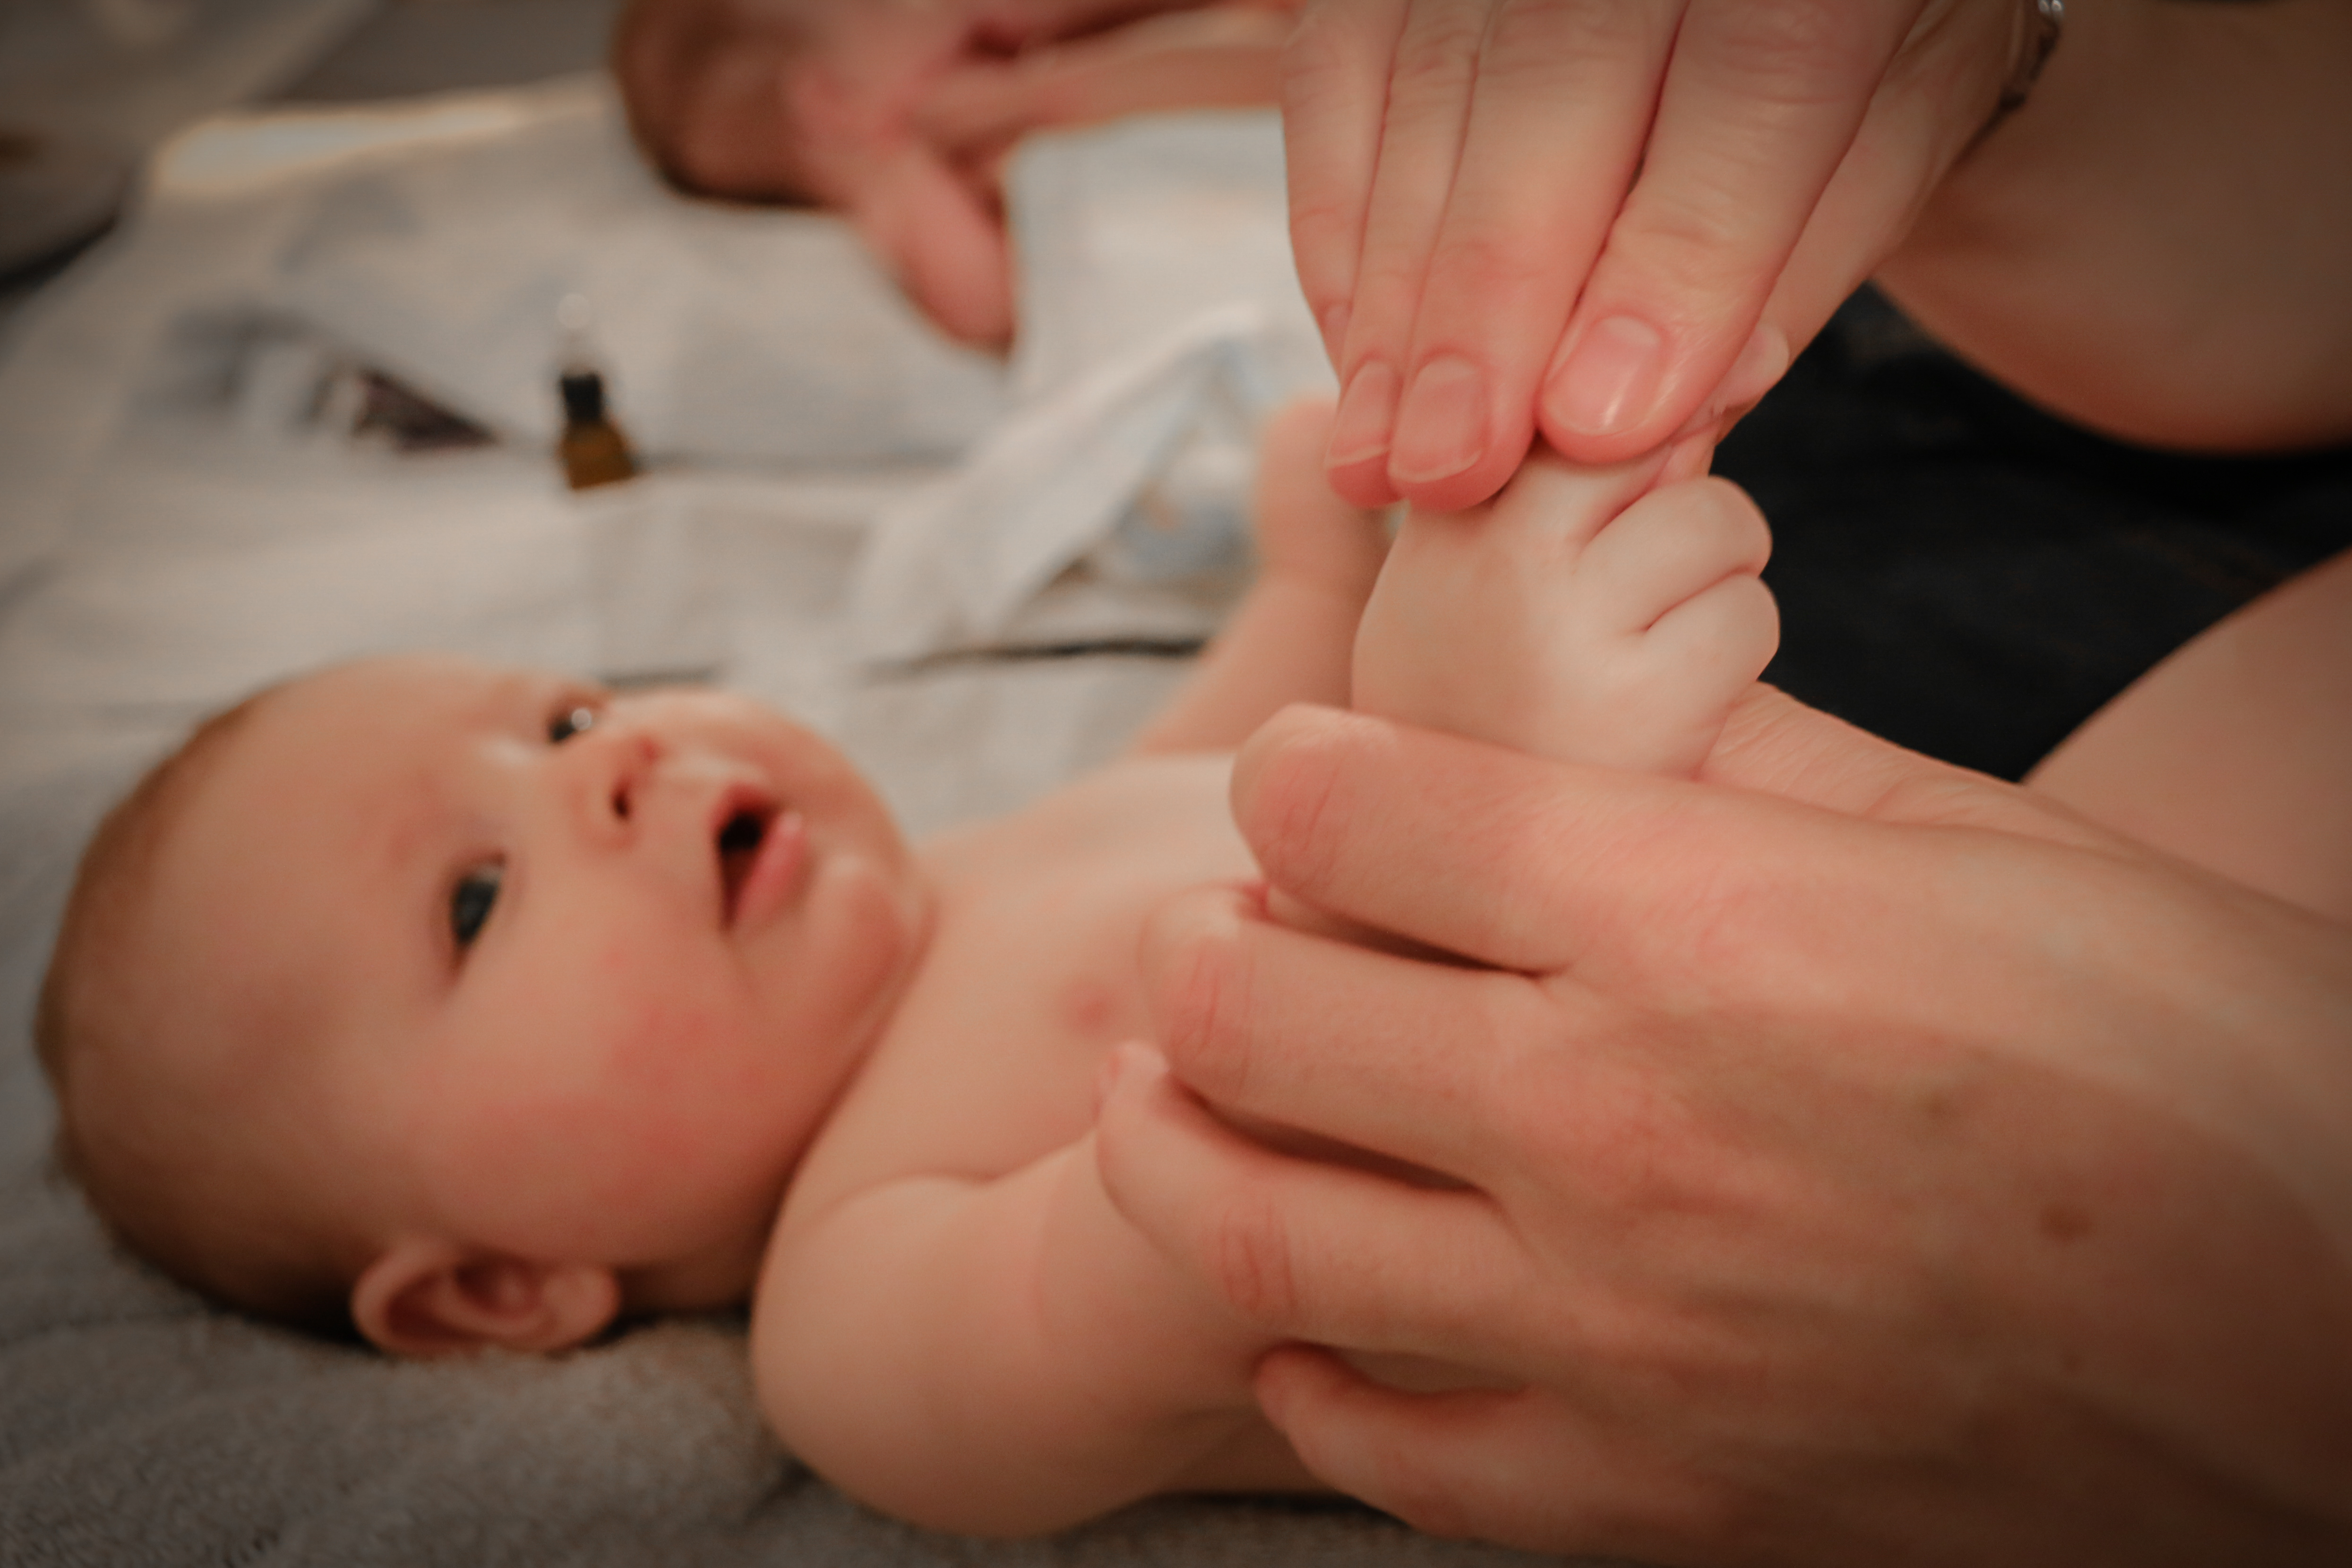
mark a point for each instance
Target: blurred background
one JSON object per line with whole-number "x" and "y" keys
{"x": 89, "y": 88}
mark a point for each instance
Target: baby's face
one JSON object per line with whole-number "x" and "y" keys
{"x": 570, "y": 976}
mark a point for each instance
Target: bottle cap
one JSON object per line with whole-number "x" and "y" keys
{"x": 583, "y": 396}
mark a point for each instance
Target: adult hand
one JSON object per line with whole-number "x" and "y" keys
{"x": 1865, "y": 1162}
{"x": 1223, "y": 54}
{"x": 826, "y": 101}
{"x": 1611, "y": 223}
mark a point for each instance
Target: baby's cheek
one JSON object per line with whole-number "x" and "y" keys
{"x": 602, "y": 1129}
{"x": 675, "y": 1074}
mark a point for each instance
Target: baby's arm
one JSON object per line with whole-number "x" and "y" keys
{"x": 1004, "y": 1357}
{"x": 1289, "y": 638}
{"x": 1581, "y": 615}
{"x": 2236, "y": 752}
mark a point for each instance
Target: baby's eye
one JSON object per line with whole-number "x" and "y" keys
{"x": 572, "y": 718}
{"x": 470, "y": 901}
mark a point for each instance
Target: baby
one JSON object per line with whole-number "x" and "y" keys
{"x": 486, "y": 1008}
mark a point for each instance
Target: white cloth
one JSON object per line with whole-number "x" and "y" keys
{"x": 1160, "y": 322}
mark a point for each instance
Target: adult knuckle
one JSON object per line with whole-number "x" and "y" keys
{"x": 1324, "y": 225}
{"x": 1943, "y": 799}
{"x": 1291, "y": 813}
{"x": 1437, "y": 59}
{"x": 1494, "y": 267}
{"x": 1797, "y": 51}
{"x": 1200, "y": 983}
{"x": 1250, "y": 1260}
{"x": 1693, "y": 240}
{"x": 1319, "y": 69}
{"x": 1727, "y": 915}
{"x": 1534, "y": 37}
{"x": 1528, "y": 1089}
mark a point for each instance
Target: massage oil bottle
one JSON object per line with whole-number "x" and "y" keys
{"x": 592, "y": 450}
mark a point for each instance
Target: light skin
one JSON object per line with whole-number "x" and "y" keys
{"x": 1970, "y": 1183}
{"x": 1887, "y": 929}
{"x": 592, "y": 1100}
{"x": 1848, "y": 1158}
{"x": 897, "y": 111}
{"x": 1610, "y": 224}
{"x": 1607, "y": 224}
{"x": 2155, "y": 246}
{"x": 1789, "y": 1244}
{"x": 587, "y": 1092}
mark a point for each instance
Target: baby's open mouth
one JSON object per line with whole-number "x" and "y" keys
{"x": 740, "y": 838}
{"x": 762, "y": 849}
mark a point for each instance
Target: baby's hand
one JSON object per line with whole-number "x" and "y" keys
{"x": 1304, "y": 532}
{"x": 1575, "y": 617}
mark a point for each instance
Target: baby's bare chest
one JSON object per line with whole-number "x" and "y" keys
{"x": 1033, "y": 971}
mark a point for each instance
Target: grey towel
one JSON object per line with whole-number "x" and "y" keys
{"x": 140, "y": 1428}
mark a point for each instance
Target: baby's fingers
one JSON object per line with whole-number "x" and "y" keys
{"x": 1670, "y": 547}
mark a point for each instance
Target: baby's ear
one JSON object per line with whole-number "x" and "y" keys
{"x": 423, "y": 1297}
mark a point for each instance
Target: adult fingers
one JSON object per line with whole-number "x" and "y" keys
{"x": 935, "y": 234}
{"x": 1761, "y": 102}
{"x": 1305, "y": 1248}
{"x": 1523, "y": 864}
{"x": 1562, "y": 103}
{"x": 1497, "y": 856}
{"x": 1335, "y": 88}
{"x": 1929, "y": 111}
{"x": 1775, "y": 745}
{"x": 1430, "y": 83}
{"x": 1517, "y": 1467}
{"x": 1379, "y": 1049}
{"x": 1191, "y": 60}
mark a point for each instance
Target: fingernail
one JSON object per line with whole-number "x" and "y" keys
{"x": 1441, "y": 428}
{"x": 1360, "y": 431}
{"x": 1610, "y": 378}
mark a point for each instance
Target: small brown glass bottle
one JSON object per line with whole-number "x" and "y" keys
{"x": 594, "y": 450}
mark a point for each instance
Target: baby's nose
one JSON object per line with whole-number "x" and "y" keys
{"x": 610, "y": 769}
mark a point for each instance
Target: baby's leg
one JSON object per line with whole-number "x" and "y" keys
{"x": 1575, "y": 617}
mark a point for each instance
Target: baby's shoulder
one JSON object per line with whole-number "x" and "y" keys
{"x": 1152, "y": 806}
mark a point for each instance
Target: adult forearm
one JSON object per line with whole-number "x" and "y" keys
{"x": 2156, "y": 243}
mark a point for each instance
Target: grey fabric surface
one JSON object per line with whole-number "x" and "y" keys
{"x": 140, "y": 1428}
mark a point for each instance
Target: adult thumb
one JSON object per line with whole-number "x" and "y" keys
{"x": 1775, "y": 745}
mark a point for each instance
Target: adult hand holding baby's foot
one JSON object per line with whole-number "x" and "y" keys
{"x": 1581, "y": 615}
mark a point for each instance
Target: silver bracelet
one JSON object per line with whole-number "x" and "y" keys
{"x": 2044, "y": 21}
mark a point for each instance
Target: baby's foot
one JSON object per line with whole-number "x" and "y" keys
{"x": 1575, "y": 617}
{"x": 1304, "y": 531}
